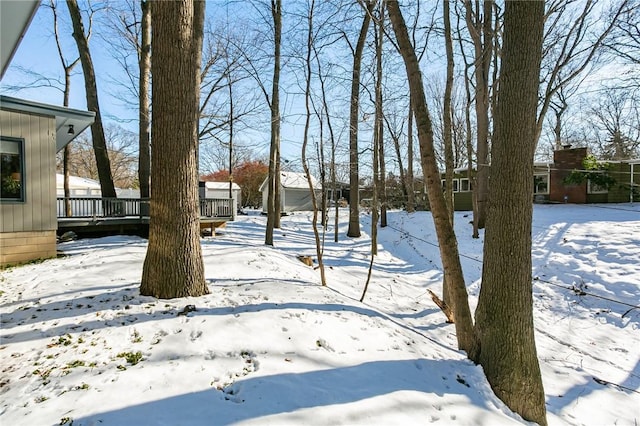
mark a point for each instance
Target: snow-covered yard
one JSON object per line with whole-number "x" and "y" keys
{"x": 269, "y": 345}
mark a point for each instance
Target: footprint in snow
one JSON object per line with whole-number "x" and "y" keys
{"x": 321, "y": 343}
{"x": 195, "y": 335}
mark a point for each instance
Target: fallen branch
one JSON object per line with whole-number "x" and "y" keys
{"x": 443, "y": 306}
{"x": 620, "y": 387}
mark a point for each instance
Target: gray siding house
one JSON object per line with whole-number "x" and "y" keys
{"x": 30, "y": 135}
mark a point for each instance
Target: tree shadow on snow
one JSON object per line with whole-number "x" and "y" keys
{"x": 628, "y": 388}
{"x": 287, "y": 393}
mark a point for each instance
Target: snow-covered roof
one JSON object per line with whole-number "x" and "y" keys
{"x": 221, "y": 185}
{"x": 296, "y": 180}
{"x": 76, "y": 182}
{"x": 293, "y": 180}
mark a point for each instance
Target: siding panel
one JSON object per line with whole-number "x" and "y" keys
{"x": 30, "y": 165}
{"x": 8, "y": 128}
{"x": 37, "y": 213}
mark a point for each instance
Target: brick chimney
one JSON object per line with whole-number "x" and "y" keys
{"x": 564, "y": 161}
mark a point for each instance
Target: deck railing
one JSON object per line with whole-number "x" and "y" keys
{"x": 99, "y": 208}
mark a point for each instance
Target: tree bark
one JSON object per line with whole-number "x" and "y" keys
{"x": 444, "y": 230}
{"x": 447, "y": 129}
{"x": 354, "y": 177}
{"x": 273, "y": 195}
{"x": 504, "y": 316}
{"x": 91, "y": 89}
{"x": 173, "y": 266}
{"x": 481, "y": 31}
{"x": 144, "y": 154}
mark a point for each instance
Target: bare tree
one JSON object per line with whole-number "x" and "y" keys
{"x": 447, "y": 129}
{"x": 379, "y": 120}
{"x": 354, "y": 177}
{"x": 305, "y": 138}
{"x": 573, "y": 42}
{"x": 130, "y": 36}
{"x": 173, "y": 266}
{"x": 91, "y": 89}
{"x": 444, "y": 229}
{"x": 504, "y": 316}
{"x": 227, "y": 103}
{"x": 480, "y": 25}
{"x": 616, "y": 123}
{"x": 322, "y": 77}
{"x": 395, "y": 124}
{"x": 68, "y": 68}
{"x": 144, "y": 109}
{"x": 122, "y": 151}
{"x": 273, "y": 188}
{"x": 625, "y": 44}
{"x": 447, "y": 119}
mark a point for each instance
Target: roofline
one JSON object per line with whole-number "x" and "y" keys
{"x": 6, "y": 59}
{"x": 23, "y": 105}
{"x": 78, "y": 120}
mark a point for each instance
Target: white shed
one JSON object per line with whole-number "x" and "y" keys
{"x": 294, "y": 192}
{"x": 221, "y": 190}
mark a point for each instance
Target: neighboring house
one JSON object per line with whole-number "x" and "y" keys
{"x": 78, "y": 187}
{"x": 295, "y": 194}
{"x": 30, "y": 135}
{"x": 85, "y": 187}
{"x": 549, "y": 185}
{"x": 626, "y": 174}
{"x": 221, "y": 190}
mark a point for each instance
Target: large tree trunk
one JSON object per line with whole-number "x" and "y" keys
{"x": 91, "y": 89}
{"x": 444, "y": 229}
{"x": 354, "y": 177}
{"x": 273, "y": 184}
{"x": 173, "y": 266}
{"x": 504, "y": 316}
{"x": 144, "y": 156}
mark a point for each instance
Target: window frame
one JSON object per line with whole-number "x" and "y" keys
{"x": 462, "y": 186}
{"x": 591, "y": 190}
{"x": 454, "y": 183}
{"x": 535, "y": 186}
{"x": 22, "y": 161}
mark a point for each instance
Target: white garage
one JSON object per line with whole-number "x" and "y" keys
{"x": 295, "y": 194}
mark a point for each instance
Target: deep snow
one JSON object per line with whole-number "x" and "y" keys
{"x": 269, "y": 345}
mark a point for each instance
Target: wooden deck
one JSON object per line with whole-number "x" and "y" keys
{"x": 99, "y": 216}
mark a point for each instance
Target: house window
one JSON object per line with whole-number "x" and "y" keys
{"x": 12, "y": 169}
{"x": 464, "y": 185}
{"x": 594, "y": 188}
{"x": 541, "y": 184}
{"x": 454, "y": 184}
